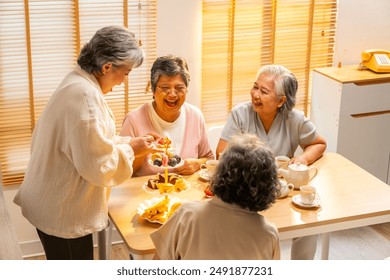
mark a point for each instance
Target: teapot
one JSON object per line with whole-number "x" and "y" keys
{"x": 298, "y": 174}
{"x": 284, "y": 188}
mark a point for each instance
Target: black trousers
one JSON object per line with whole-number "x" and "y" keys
{"x": 57, "y": 248}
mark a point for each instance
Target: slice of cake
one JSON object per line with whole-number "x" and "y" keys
{"x": 175, "y": 183}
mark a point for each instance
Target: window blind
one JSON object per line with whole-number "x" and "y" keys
{"x": 240, "y": 36}
{"x": 39, "y": 45}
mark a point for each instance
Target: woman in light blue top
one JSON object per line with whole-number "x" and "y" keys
{"x": 271, "y": 116}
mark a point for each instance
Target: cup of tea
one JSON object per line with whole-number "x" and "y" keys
{"x": 308, "y": 194}
{"x": 281, "y": 161}
{"x": 209, "y": 166}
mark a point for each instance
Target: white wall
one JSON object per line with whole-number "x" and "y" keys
{"x": 362, "y": 24}
{"x": 179, "y": 32}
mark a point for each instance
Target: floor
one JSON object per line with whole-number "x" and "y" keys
{"x": 365, "y": 243}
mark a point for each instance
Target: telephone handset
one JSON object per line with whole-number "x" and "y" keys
{"x": 376, "y": 60}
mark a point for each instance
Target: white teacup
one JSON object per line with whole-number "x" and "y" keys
{"x": 285, "y": 188}
{"x": 308, "y": 194}
{"x": 209, "y": 166}
{"x": 281, "y": 161}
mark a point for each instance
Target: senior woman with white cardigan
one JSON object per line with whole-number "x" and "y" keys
{"x": 75, "y": 152}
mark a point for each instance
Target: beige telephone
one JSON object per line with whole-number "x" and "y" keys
{"x": 376, "y": 60}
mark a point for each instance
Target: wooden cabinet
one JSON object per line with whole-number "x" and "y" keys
{"x": 351, "y": 109}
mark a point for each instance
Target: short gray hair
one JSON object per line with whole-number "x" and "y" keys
{"x": 285, "y": 83}
{"x": 169, "y": 65}
{"x": 111, "y": 44}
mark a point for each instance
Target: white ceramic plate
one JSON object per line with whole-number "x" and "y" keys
{"x": 150, "y": 202}
{"x": 157, "y": 191}
{"x": 283, "y": 196}
{"x": 296, "y": 199}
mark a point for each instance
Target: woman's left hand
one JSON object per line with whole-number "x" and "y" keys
{"x": 299, "y": 159}
{"x": 190, "y": 166}
{"x": 311, "y": 152}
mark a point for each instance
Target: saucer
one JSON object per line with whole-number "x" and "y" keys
{"x": 203, "y": 174}
{"x": 296, "y": 199}
{"x": 284, "y": 195}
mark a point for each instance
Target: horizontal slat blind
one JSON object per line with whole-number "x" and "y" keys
{"x": 241, "y": 36}
{"x": 39, "y": 43}
{"x": 138, "y": 81}
{"x": 15, "y": 114}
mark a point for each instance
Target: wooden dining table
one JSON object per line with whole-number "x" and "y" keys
{"x": 350, "y": 197}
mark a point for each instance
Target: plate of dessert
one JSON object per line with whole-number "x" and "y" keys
{"x": 167, "y": 158}
{"x": 157, "y": 185}
{"x": 158, "y": 210}
{"x": 161, "y": 161}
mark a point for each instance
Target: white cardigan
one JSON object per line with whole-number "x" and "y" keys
{"x": 75, "y": 154}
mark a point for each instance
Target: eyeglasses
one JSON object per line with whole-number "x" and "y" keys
{"x": 179, "y": 90}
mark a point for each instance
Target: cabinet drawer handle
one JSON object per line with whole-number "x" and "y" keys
{"x": 370, "y": 114}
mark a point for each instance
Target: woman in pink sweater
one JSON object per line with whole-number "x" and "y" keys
{"x": 169, "y": 115}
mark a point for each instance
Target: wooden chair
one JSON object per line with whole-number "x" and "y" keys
{"x": 214, "y": 133}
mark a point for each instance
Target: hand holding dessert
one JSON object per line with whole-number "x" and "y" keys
{"x": 143, "y": 145}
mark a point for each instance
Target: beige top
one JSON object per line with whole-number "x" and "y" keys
{"x": 74, "y": 156}
{"x": 216, "y": 230}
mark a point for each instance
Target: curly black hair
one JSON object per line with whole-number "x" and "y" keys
{"x": 246, "y": 175}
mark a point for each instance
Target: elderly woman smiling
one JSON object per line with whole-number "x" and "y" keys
{"x": 271, "y": 116}
{"x": 75, "y": 153}
{"x": 169, "y": 115}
